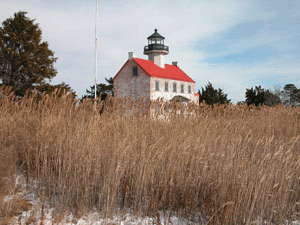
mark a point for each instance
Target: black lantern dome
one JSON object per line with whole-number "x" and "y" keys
{"x": 156, "y": 43}
{"x": 156, "y": 36}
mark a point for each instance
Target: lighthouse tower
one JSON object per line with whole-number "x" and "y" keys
{"x": 156, "y": 50}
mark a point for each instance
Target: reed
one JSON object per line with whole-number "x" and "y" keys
{"x": 221, "y": 165}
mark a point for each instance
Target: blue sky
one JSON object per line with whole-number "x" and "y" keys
{"x": 233, "y": 44}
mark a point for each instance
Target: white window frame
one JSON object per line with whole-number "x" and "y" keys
{"x": 175, "y": 87}
{"x": 156, "y": 85}
{"x": 166, "y": 87}
{"x": 189, "y": 89}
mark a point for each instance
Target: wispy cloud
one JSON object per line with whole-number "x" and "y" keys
{"x": 233, "y": 44}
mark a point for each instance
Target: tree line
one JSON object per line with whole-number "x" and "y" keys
{"x": 27, "y": 64}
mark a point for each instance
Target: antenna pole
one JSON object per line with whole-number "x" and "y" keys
{"x": 96, "y": 50}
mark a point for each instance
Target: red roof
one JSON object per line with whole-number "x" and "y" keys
{"x": 169, "y": 72}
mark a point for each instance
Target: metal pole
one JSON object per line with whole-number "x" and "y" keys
{"x": 96, "y": 51}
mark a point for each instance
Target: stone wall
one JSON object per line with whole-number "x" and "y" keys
{"x": 125, "y": 84}
{"x": 168, "y": 95}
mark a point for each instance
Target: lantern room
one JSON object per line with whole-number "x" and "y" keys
{"x": 156, "y": 49}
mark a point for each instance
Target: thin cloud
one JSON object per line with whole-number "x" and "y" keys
{"x": 69, "y": 27}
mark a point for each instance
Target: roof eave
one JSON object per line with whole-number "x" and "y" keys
{"x": 120, "y": 69}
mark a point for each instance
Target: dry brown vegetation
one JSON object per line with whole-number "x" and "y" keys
{"x": 222, "y": 165}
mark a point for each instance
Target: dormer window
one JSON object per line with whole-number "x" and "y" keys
{"x": 189, "y": 89}
{"x": 134, "y": 71}
{"x": 182, "y": 88}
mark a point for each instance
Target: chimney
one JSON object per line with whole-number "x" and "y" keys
{"x": 175, "y": 63}
{"x": 131, "y": 55}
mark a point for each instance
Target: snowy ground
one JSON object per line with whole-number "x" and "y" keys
{"x": 41, "y": 214}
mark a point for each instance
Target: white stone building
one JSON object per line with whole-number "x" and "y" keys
{"x": 152, "y": 78}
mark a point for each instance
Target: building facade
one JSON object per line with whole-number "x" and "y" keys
{"x": 153, "y": 79}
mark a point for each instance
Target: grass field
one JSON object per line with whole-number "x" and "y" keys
{"x": 225, "y": 165}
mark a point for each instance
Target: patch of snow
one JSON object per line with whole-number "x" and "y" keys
{"x": 41, "y": 213}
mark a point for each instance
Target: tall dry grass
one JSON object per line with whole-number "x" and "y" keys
{"x": 222, "y": 165}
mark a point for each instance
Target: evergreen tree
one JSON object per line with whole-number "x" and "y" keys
{"x": 255, "y": 96}
{"x": 290, "y": 95}
{"x": 259, "y": 96}
{"x": 61, "y": 89}
{"x": 212, "y": 96}
{"x": 102, "y": 90}
{"x": 25, "y": 61}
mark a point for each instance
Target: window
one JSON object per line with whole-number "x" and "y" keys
{"x": 166, "y": 86}
{"x": 174, "y": 87}
{"x": 189, "y": 89}
{"x": 182, "y": 88}
{"x": 134, "y": 71}
{"x": 156, "y": 85}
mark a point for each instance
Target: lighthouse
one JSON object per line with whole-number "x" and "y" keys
{"x": 151, "y": 78}
{"x": 156, "y": 49}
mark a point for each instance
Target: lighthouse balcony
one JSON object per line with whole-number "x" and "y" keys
{"x": 154, "y": 47}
